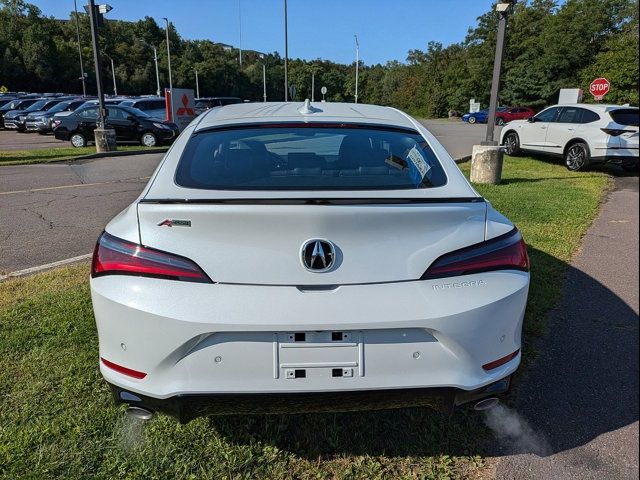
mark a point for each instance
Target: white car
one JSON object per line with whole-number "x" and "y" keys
{"x": 582, "y": 134}
{"x": 288, "y": 257}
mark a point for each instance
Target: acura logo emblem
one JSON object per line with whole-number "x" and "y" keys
{"x": 318, "y": 255}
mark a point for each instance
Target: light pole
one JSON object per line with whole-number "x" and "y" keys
{"x": 169, "y": 66}
{"x": 113, "y": 75}
{"x": 503, "y": 7}
{"x": 286, "y": 54}
{"x": 84, "y": 85}
{"x": 313, "y": 86}
{"x": 357, "y": 65}
{"x": 264, "y": 81}
{"x": 197, "y": 85}
{"x": 240, "y": 31}
{"x": 105, "y": 137}
{"x": 155, "y": 59}
{"x": 487, "y": 158}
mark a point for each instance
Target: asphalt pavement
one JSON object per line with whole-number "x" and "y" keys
{"x": 580, "y": 395}
{"x": 51, "y": 212}
{"x": 12, "y": 140}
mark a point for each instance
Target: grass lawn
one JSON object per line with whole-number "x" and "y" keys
{"x": 21, "y": 157}
{"x": 57, "y": 419}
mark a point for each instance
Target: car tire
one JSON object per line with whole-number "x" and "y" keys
{"x": 500, "y": 121}
{"x": 78, "y": 140}
{"x": 512, "y": 144}
{"x": 148, "y": 139}
{"x": 472, "y": 120}
{"x": 577, "y": 157}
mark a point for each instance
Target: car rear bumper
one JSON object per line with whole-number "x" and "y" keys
{"x": 217, "y": 340}
{"x": 188, "y": 407}
{"x": 617, "y": 156}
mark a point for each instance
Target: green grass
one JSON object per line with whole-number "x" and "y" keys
{"x": 45, "y": 155}
{"x": 57, "y": 419}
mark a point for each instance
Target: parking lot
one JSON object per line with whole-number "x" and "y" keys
{"x": 12, "y": 140}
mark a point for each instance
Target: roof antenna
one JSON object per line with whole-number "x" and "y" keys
{"x": 307, "y": 108}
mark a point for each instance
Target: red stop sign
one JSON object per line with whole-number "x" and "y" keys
{"x": 599, "y": 88}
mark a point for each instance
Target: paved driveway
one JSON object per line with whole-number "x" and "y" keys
{"x": 580, "y": 396}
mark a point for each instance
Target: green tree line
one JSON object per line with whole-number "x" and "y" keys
{"x": 550, "y": 45}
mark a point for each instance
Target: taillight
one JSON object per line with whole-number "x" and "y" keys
{"x": 506, "y": 252}
{"x": 114, "y": 256}
{"x": 615, "y": 132}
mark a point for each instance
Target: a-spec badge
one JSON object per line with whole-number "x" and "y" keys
{"x": 175, "y": 223}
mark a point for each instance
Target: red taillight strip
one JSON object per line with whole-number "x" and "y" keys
{"x": 114, "y": 256}
{"x": 123, "y": 370}
{"x": 506, "y": 252}
{"x": 500, "y": 361}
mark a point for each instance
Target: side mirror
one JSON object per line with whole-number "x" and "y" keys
{"x": 531, "y": 119}
{"x": 133, "y": 119}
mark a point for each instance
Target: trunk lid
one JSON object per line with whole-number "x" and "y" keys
{"x": 260, "y": 243}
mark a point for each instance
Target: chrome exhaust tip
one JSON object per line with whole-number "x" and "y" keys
{"x": 486, "y": 404}
{"x": 139, "y": 413}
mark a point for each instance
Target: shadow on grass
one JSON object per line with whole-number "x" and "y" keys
{"x": 611, "y": 169}
{"x": 574, "y": 375}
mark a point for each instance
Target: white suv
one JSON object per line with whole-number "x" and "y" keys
{"x": 581, "y": 134}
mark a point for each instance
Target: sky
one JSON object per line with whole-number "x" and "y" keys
{"x": 386, "y": 29}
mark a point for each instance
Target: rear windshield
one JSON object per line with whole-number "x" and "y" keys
{"x": 311, "y": 157}
{"x": 628, "y": 116}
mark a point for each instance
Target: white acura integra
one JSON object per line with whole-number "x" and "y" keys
{"x": 287, "y": 257}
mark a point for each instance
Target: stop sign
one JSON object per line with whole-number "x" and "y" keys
{"x": 599, "y": 88}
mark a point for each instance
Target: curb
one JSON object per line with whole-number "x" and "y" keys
{"x": 464, "y": 159}
{"x": 118, "y": 153}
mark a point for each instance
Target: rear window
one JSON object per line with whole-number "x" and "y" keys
{"x": 628, "y": 116}
{"x": 309, "y": 158}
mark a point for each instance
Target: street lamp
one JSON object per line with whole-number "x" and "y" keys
{"x": 82, "y": 75}
{"x": 286, "y": 54}
{"x": 105, "y": 137}
{"x": 113, "y": 75}
{"x": 503, "y": 7}
{"x": 197, "y": 84}
{"x": 487, "y": 158}
{"x": 357, "y": 65}
{"x": 168, "y": 53}
{"x": 155, "y": 61}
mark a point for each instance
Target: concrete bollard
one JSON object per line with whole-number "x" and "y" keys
{"x": 105, "y": 140}
{"x": 486, "y": 164}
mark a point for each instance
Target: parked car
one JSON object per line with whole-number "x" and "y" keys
{"x": 41, "y": 122}
{"x": 582, "y": 134}
{"x": 328, "y": 258}
{"x": 18, "y": 104}
{"x": 205, "y": 103}
{"x": 481, "y": 116}
{"x": 130, "y": 125}
{"x": 16, "y": 119}
{"x": 153, "y": 106}
{"x": 515, "y": 113}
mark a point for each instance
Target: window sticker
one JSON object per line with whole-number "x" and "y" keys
{"x": 417, "y": 159}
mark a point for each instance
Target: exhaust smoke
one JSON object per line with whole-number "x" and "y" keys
{"x": 514, "y": 433}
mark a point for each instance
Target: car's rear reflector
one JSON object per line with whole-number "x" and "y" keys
{"x": 123, "y": 370}
{"x": 500, "y": 361}
{"x": 114, "y": 256}
{"x": 506, "y": 252}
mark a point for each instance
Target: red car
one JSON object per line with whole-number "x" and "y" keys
{"x": 514, "y": 113}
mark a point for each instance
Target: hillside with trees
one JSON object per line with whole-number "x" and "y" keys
{"x": 551, "y": 45}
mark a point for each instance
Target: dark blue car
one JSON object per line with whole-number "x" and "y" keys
{"x": 480, "y": 117}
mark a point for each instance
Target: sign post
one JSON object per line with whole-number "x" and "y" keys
{"x": 599, "y": 88}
